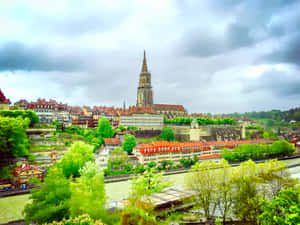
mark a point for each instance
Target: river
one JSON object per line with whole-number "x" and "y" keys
{"x": 11, "y": 207}
{"x": 119, "y": 190}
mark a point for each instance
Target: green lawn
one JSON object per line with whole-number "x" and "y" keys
{"x": 11, "y": 207}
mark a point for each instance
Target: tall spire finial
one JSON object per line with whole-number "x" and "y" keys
{"x": 144, "y": 68}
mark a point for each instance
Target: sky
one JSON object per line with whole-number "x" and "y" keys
{"x": 209, "y": 56}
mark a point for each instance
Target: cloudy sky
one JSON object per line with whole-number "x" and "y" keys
{"x": 210, "y": 56}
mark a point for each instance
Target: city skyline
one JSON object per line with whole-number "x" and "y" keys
{"x": 199, "y": 55}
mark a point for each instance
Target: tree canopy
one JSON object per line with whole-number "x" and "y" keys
{"x": 104, "y": 128}
{"x": 13, "y": 138}
{"x": 167, "y": 134}
{"x": 32, "y": 116}
{"x": 129, "y": 143}
{"x": 75, "y": 159}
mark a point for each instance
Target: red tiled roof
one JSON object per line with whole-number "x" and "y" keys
{"x": 25, "y": 167}
{"x": 112, "y": 141}
{"x": 165, "y": 146}
{"x": 3, "y": 99}
{"x": 168, "y": 107}
{"x": 136, "y": 110}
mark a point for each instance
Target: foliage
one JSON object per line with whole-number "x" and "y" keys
{"x": 186, "y": 162}
{"x": 167, "y": 134}
{"x": 84, "y": 219}
{"x": 118, "y": 158}
{"x": 32, "y": 116}
{"x": 258, "y": 151}
{"x": 51, "y": 202}
{"x": 13, "y": 138}
{"x": 284, "y": 209}
{"x": 75, "y": 159}
{"x": 6, "y": 172}
{"x": 88, "y": 193}
{"x": 104, "y": 128}
{"x": 152, "y": 164}
{"x": 129, "y": 143}
{"x": 34, "y": 181}
{"x": 202, "y": 180}
{"x": 147, "y": 184}
{"x": 138, "y": 209}
{"x": 200, "y": 120}
{"x": 122, "y": 128}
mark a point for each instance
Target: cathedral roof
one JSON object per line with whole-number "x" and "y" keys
{"x": 168, "y": 107}
{"x": 144, "y": 68}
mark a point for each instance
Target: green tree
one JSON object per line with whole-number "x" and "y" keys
{"x": 88, "y": 193}
{"x": 202, "y": 180}
{"x": 118, "y": 158}
{"x": 51, "y": 202}
{"x": 284, "y": 209}
{"x": 13, "y": 138}
{"x": 75, "y": 159}
{"x": 167, "y": 134}
{"x": 129, "y": 143}
{"x": 104, "y": 128}
{"x": 152, "y": 164}
{"x": 122, "y": 128}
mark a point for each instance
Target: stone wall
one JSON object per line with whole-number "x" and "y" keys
{"x": 208, "y": 132}
{"x": 146, "y": 133}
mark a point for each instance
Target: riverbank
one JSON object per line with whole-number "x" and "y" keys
{"x": 116, "y": 191}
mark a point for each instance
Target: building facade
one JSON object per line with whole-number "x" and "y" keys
{"x": 159, "y": 151}
{"x": 170, "y": 111}
{"x": 143, "y": 118}
{"x": 144, "y": 93}
{"x": 4, "y": 102}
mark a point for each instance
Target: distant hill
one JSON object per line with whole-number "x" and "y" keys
{"x": 292, "y": 114}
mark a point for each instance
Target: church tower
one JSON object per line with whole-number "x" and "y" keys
{"x": 144, "y": 93}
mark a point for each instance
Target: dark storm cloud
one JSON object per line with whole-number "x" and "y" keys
{"x": 17, "y": 56}
{"x": 282, "y": 83}
{"x": 287, "y": 52}
{"x": 252, "y": 23}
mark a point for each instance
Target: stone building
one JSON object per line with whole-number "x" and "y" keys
{"x": 170, "y": 111}
{"x": 144, "y": 93}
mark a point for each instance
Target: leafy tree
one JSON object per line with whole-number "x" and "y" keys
{"x": 75, "y": 159}
{"x": 224, "y": 194}
{"x": 284, "y": 209}
{"x": 88, "y": 193}
{"x": 32, "y": 116}
{"x": 122, "y": 128}
{"x": 139, "y": 168}
{"x": 167, "y": 134}
{"x": 247, "y": 200}
{"x": 51, "y": 202}
{"x": 118, "y": 158}
{"x": 104, "y": 128}
{"x": 152, "y": 164}
{"x": 129, "y": 143}
{"x": 164, "y": 164}
{"x": 13, "y": 138}
{"x": 139, "y": 210}
{"x": 202, "y": 180}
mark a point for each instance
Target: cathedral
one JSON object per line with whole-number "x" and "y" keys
{"x": 144, "y": 93}
{"x": 145, "y": 96}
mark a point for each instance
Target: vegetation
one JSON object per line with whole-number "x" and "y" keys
{"x": 32, "y": 116}
{"x": 129, "y": 143}
{"x": 88, "y": 193}
{"x": 237, "y": 192}
{"x": 258, "y": 151}
{"x": 167, "y": 134}
{"x": 75, "y": 159}
{"x": 138, "y": 209}
{"x": 51, "y": 201}
{"x": 104, "y": 128}
{"x": 284, "y": 209}
{"x": 84, "y": 219}
{"x": 200, "y": 120}
{"x": 13, "y": 140}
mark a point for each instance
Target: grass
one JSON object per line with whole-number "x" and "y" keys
{"x": 11, "y": 207}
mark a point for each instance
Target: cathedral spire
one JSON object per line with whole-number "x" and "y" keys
{"x": 144, "y": 68}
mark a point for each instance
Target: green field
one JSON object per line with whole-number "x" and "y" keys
{"x": 11, "y": 207}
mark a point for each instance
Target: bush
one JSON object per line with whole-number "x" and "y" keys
{"x": 80, "y": 220}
